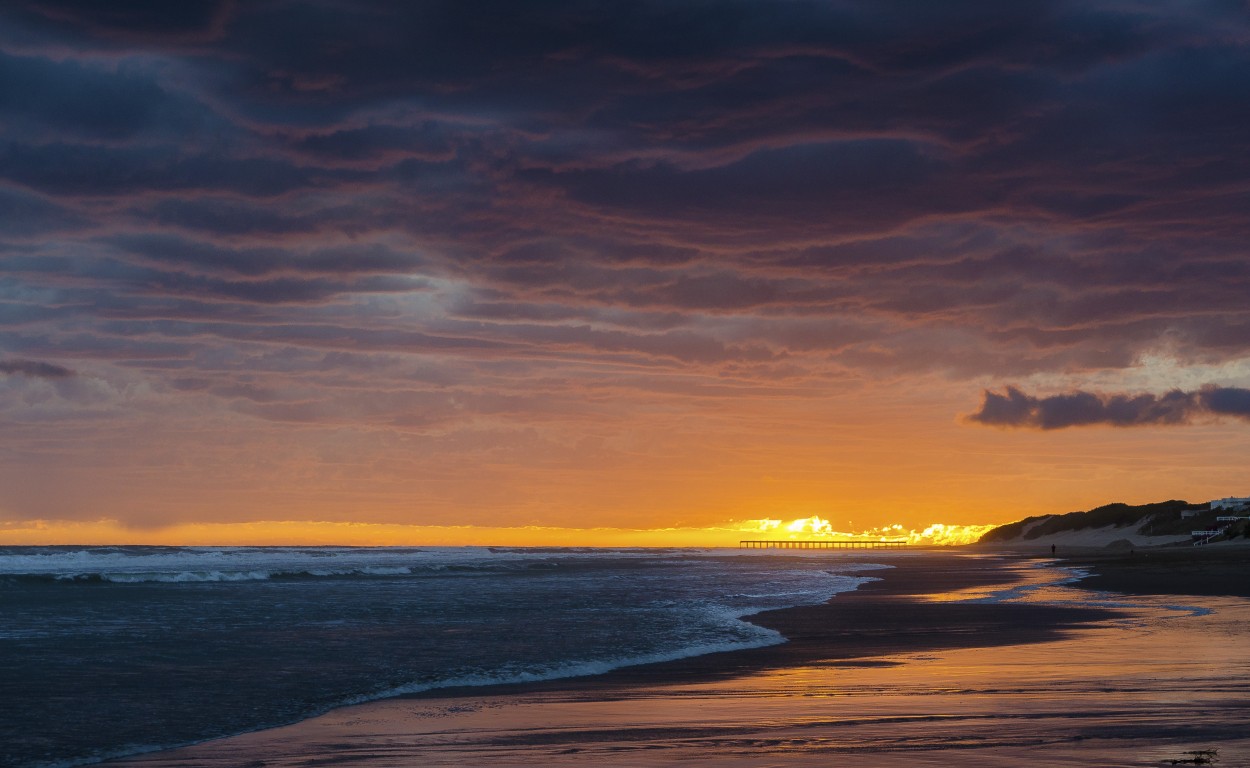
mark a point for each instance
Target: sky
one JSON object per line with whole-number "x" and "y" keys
{"x": 588, "y": 272}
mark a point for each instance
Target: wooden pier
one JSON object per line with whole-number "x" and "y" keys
{"x": 817, "y": 544}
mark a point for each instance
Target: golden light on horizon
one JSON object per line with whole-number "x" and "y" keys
{"x": 332, "y": 533}
{"x": 816, "y": 528}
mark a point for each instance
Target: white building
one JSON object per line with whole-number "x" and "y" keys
{"x": 1232, "y": 502}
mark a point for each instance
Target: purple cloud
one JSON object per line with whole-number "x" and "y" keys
{"x": 35, "y": 369}
{"x": 438, "y": 218}
{"x": 1014, "y": 408}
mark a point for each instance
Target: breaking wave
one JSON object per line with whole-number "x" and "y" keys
{"x": 137, "y": 565}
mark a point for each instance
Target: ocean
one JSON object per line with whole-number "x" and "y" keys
{"x": 111, "y": 651}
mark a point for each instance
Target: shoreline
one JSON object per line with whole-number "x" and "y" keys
{"x": 1206, "y": 571}
{"x": 931, "y": 613}
{"x": 907, "y": 610}
{"x": 1213, "y": 570}
{"x": 893, "y": 615}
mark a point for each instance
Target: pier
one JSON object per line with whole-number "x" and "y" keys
{"x": 843, "y": 544}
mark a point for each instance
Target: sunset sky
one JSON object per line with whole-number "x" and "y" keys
{"x": 443, "y": 272}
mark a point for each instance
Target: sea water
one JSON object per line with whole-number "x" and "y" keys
{"x": 108, "y": 651}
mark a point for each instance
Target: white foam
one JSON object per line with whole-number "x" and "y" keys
{"x": 220, "y": 564}
{"x": 135, "y": 565}
{"x": 718, "y": 624}
{"x": 574, "y": 669}
{"x": 763, "y": 637}
{"x": 181, "y": 576}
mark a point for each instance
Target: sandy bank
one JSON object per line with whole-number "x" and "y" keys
{"x": 1091, "y": 538}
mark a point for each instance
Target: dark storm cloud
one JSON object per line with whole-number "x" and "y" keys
{"x": 83, "y": 169}
{"x": 141, "y": 19}
{"x": 49, "y": 100}
{"x": 34, "y": 369}
{"x": 23, "y": 214}
{"x": 1014, "y": 408}
{"x": 842, "y": 180}
{"x": 1227, "y": 401}
{"x": 210, "y": 258}
{"x": 972, "y": 188}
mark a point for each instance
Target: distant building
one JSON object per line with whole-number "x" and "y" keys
{"x": 1232, "y": 502}
{"x": 1188, "y": 513}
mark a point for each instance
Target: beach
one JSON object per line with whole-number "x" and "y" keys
{"x": 1211, "y": 570}
{"x": 975, "y": 659}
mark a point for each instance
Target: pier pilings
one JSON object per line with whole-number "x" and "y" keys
{"x": 819, "y": 544}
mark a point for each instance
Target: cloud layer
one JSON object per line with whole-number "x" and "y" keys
{"x": 493, "y": 236}
{"x": 34, "y": 369}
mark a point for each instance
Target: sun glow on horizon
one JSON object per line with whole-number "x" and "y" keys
{"x": 816, "y": 528}
{"x": 331, "y": 533}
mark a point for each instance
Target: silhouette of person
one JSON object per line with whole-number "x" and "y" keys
{"x": 1052, "y": 549}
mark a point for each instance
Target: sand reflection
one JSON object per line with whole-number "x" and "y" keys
{"x": 1156, "y": 680}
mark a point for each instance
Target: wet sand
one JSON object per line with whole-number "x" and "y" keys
{"x": 897, "y": 614}
{"x": 925, "y": 667}
{"x": 1211, "y": 570}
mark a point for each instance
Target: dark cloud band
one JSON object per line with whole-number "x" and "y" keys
{"x": 34, "y": 369}
{"x": 1014, "y": 408}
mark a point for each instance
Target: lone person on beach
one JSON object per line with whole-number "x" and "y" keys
{"x": 1052, "y": 549}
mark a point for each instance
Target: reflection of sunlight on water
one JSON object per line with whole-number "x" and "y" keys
{"x": 1155, "y": 656}
{"x": 1043, "y": 582}
{"x": 1036, "y": 582}
{"x": 1110, "y": 695}
{"x": 1114, "y": 695}
{"x": 1133, "y": 691}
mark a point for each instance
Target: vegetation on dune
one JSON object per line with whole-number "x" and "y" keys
{"x": 1012, "y": 531}
{"x": 1239, "y": 528}
{"x": 1161, "y": 518}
